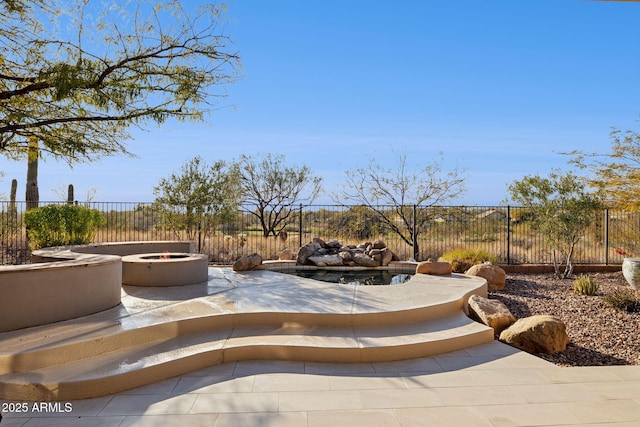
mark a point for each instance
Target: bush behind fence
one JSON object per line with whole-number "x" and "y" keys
{"x": 503, "y": 231}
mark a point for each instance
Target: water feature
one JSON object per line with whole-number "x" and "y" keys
{"x": 353, "y": 277}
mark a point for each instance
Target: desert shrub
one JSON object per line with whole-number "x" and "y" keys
{"x": 59, "y": 225}
{"x": 624, "y": 299}
{"x": 463, "y": 259}
{"x": 585, "y": 285}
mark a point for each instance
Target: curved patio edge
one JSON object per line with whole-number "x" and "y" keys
{"x": 256, "y": 315}
{"x": 66, "y": 282}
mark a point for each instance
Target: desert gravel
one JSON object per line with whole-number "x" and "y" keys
{"x": 600, "y": 335}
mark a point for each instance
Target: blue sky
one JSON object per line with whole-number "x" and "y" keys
{"x": 500, "y": 87}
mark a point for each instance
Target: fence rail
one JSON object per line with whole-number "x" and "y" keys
{"x": 504, "y": 231}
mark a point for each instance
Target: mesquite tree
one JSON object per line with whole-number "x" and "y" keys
{"x": 76, "y": 74}
{"x": 615, "y": 174}
{"x": 199, "y": 198}
{"x": 275, "y": 189}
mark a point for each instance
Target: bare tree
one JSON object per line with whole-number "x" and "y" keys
{"x": 400, "y": 196}
{"x": 275, "y": 189}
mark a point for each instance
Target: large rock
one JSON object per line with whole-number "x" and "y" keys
{"x": 496, "y": 277}
{"x": 325, "y": 260}
{"x": 377, "y": 256}
{"x": 491, "y": 312}
{"x": 387, "y": 256}
{"x": 378, "y": 244}
{"x": 537, "y": 334}
{"x": 365, "y": 260}
{"x": 286, "y": 255}
{"x": 318, "y": 242}
{"x": 305, "y": 252}
{"x": 333, "y": 244}
{"x": 436, "y": 268}
{"x": 247, "y": 262}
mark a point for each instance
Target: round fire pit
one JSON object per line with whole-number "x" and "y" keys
{"x": 164, "y": 269}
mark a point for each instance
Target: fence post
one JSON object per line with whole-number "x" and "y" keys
{"x": 606, "y": 236}
{"x": 300, "y": 227}
{"x": 508, "y": 234}
{"x": 414, "y": 237}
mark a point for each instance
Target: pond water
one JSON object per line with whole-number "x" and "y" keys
{"x": 361, "y": 277}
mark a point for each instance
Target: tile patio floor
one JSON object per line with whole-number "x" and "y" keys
{"x": 487, "y": 385}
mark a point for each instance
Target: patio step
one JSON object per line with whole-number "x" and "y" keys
{"x": 176, "y": 348}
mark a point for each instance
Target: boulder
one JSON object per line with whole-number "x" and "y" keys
{"x": 379, "y": 244}
{"x": 387, "y": 256}
{"x": 537, "y": 334}
{"x": 436, "y": 268}
{"x": 305, "y": 252}
{"x": 345, "y": 255}
{"x": 247, "y": 262}
{"x": 325, "y": 260}
{"x": 365, "y": 260}
{"x": 333, "y": 243}
{"x": 496, "y": 277}
{"x": 318, "y": 242}
{"x": 286, "y": 255}
{"x": 491, "y": 312}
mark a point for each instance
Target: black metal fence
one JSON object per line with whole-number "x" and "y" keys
{"x": 503, "y": 231}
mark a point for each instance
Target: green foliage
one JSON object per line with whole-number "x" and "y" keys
{"x": 616, "y": 174}
{"x": 585, "y": 285}
{"x": 463, "y": 259}
{"x": 59, "y": 225}
{"x": 561, "y": 210}
{"x": 624, "y": 299}
{"x": 199, "y": 198}
{"x": 75, "y": 75}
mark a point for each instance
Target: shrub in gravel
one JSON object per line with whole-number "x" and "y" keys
{"x": 624, "y": 299}
{"x": 585, "y": 285}
{"x": 463, "y": 259}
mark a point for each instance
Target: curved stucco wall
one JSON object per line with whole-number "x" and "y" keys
{"x": 112, "y": 248}
{"x": 68, "y": 282}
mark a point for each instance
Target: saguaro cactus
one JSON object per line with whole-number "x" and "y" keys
{"x": 32, "y": 194}
{"x": 12, "y": 196}
{"x": 13, "y": 210}
{"x": 70, "y": 194}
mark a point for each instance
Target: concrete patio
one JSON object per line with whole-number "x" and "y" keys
{"x": 423, "y": 364}
{"x": 486, "y": 385}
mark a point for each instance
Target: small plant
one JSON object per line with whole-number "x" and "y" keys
{"x": 585, "y": 285}
{"x": 624, "y": 299}
{"x": 463, "y": 259}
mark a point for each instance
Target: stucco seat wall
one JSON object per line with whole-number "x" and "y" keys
{"x": 68, "y": 282}
{"x": 38, "y": 294}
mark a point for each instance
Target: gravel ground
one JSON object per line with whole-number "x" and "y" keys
{"x": 600, "y": 335}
